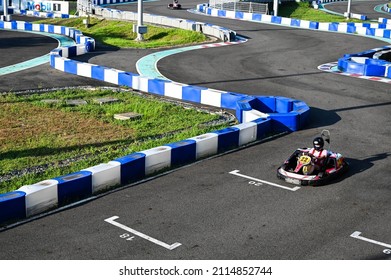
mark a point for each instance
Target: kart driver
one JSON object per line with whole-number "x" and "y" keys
{"x": 318, "y": 153}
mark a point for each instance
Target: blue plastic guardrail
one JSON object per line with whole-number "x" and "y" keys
{"x": 279, "y": 114}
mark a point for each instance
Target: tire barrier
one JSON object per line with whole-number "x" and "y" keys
{"x": 360, "y": 64}
{"x": 259, "y": 117}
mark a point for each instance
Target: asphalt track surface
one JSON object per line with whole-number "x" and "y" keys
{"x": 214, "y": 214}
{"x": 359, "y": 7}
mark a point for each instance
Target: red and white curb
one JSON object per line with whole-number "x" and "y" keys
{"x": 332, "y": 67}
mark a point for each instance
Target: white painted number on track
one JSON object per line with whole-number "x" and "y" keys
{"x": 236, "y": 173}
{"x": 357, "y": 235}
{"x": 142, "y": 235}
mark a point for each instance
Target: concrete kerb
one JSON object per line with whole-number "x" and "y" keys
{"x": 259, "y": 117}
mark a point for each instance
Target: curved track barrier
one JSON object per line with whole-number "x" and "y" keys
{"x": 320, "y": 4}
{"x": 259, "y": 117}
{"x": 366, "y": 63}
{"x": 387, "y": 8}
{"x": 361, "y": 64}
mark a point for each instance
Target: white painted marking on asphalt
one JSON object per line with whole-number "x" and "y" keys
{"x": 357, "y": 234}
{"x": 236, "y": 172}
{"x": 142, "y": 235}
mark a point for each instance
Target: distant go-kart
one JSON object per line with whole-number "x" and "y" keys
{"x": 299, "y": 168}
{"x": 174, "y": 5}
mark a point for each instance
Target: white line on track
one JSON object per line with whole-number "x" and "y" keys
{"x": 142, "y": 235}
{"x": 357, "y": 234}
{"x": 236, "y": 172}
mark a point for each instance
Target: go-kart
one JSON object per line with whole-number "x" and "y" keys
{"x": 300, "y": 167}
{"x": 174, "y": 5}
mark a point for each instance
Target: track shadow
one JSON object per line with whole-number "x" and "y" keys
{"x": 319, "y": 118}
{"x": 360, "y": 165}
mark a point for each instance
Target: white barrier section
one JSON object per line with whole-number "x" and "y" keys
{"x": 84, "y": 69}
{"x": 248, "y": 132}
{"x": 40, "y": 196}
{"x": 251, "y": 115}
{"x": 157, "y": 159}
{"x": 140, "y": 83}
{"x": 111, "y": 75}
{"x": 211, "y": 97}
{"x": 207, "y": 145}
{"x": 173, "y": 90}
{"x": 105, "y": 175}
{"x": 59, "y": 63}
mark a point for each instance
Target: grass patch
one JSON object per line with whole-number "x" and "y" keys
{"x": 41, "y": 140}
{"x": 120, "y": 33}
{"x": 304, "y": 11}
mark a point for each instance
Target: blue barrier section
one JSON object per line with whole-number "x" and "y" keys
{"x": 156, "y": 86}
{"x": 239, "y": 15}
{"x": 230, "y": 100}
{"x": 368, "y": 66}
{"x": 72, "y": 51}
{"x": 228, "y": 138}
{"x": 183, "y": 152}
{"x": 125, "y": 79}
{"x": 276, "y": 19}
{"x": 12, "y": 206}
{"x": 295, "y": 22}
{"x": 74, "y": 187}
{"x": 285, "y": 122}
{"x": 265, "y": 104}
{"x": 303, "y": 112}
{"x": 333, "y": 26}
{"x": 347, "y": 66}
{"x": 221, "y": 13}
{"x": 376, "y": 67}
{"x": 70, "y": 66}
{"x": 284, "y": 105}
{"x": 380, "y": 30}
{"x": 132, "y": 167}
{"x": 263, "y": 127}
{"x": 28, "y": 26}
{"x": 314, "y": 25}
{"x": 192, "y": 93}
{"x": 285, "y": 114}
{"x": 98, "y": 73}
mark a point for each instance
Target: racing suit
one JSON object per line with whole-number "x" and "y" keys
{"x": 319, "y": 157}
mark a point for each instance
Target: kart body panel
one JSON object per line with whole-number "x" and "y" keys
{"x": 290, "y": 171}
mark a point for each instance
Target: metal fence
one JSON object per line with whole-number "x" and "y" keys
{"x": 239, "y": 6}
{"x": 84, "y": 7}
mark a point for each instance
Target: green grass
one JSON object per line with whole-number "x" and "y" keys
{"x": 64, "y": 139}
{"x": 304, "y": 11}
{"x": 120, "y": 33}
{"x": 40, "y": 141}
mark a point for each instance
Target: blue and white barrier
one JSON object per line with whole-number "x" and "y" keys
{"x": 366, "y": 63}
{"x": 258, "y": 117}
{"x": 376, "y": 30}
{"x": 41, "y": 14}
{"x": 386, "y": 8}
{"x": 84, "y": 43}
{"x": 349, "y": 63}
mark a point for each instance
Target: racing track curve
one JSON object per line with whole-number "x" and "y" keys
{"x": 217, "y": 215}
{"x": 359, "y": 7}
